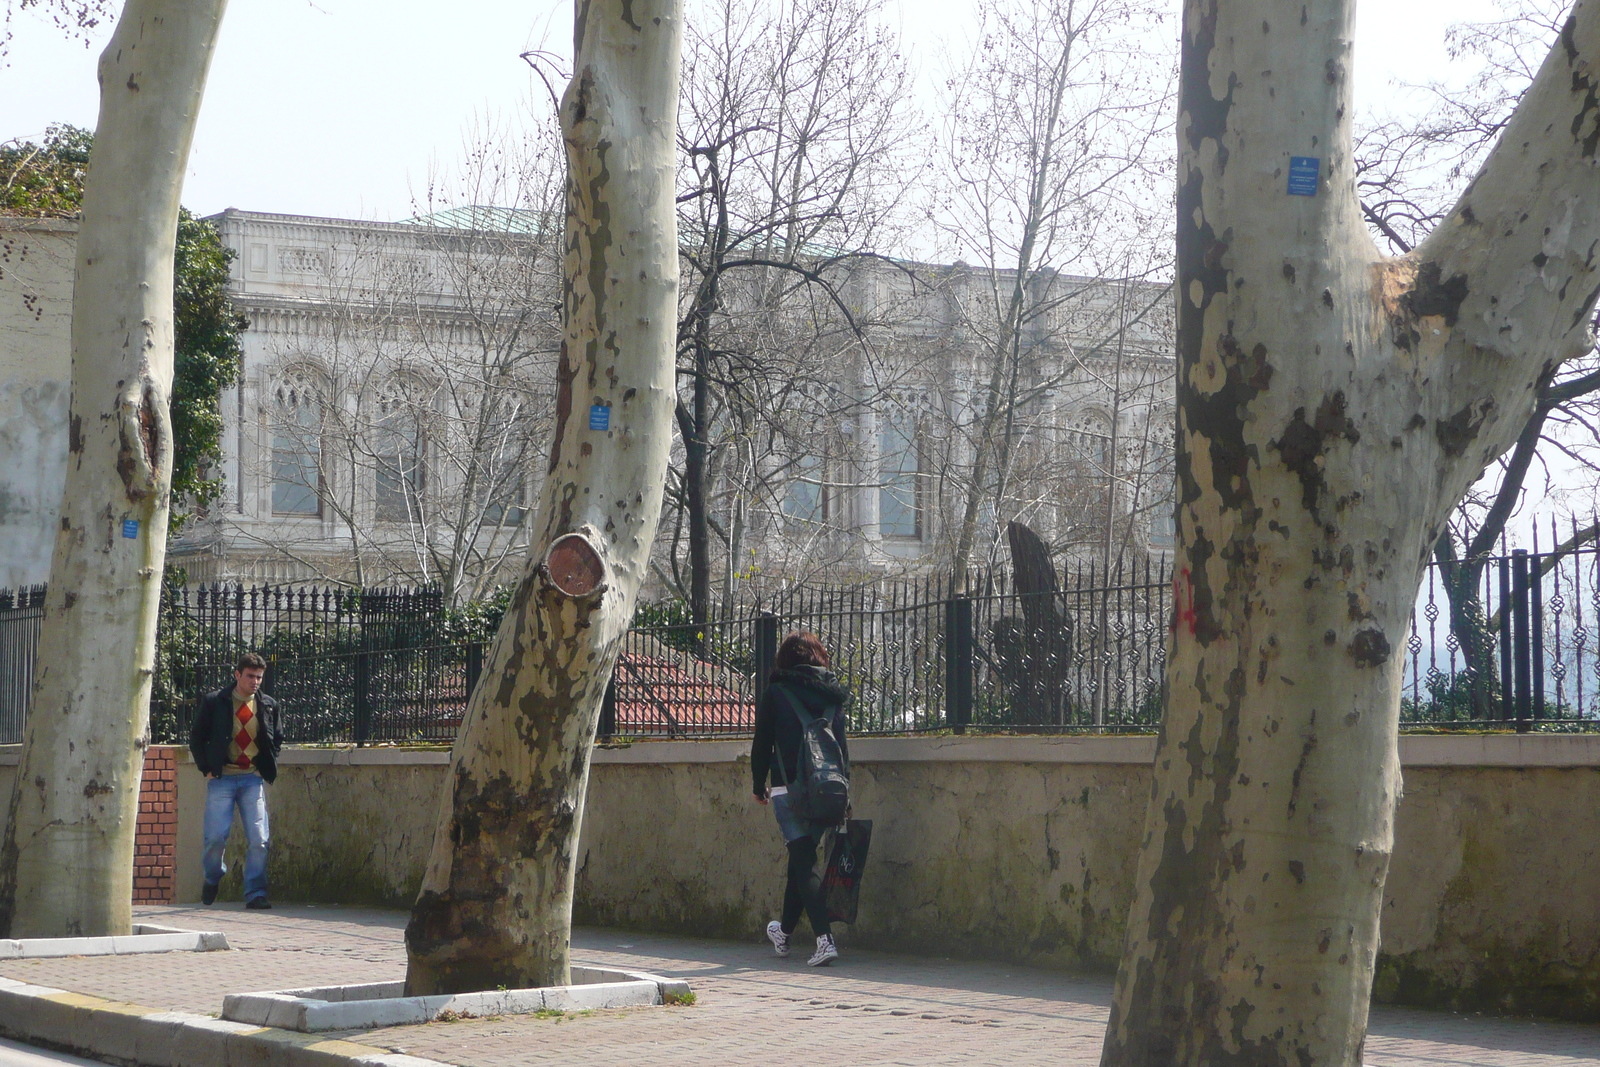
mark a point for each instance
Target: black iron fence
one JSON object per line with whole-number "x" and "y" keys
{"x": 21, "y": 612}
{"x": 1507, "y": 644}
{"x": 1508, "y": 641}
{"x": 917, "y": 658}
{"x": 347, "y": 665}
{"x": 380, "y": 664}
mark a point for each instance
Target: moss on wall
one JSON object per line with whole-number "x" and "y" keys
{"x": 345, "y": 834}
{"x": 1491, "y": 903}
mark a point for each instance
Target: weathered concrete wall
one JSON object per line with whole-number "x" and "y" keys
{"x": 1025, "y": 849}
{"x": 981, "y": 855}
{"x": 36, "y": 271}
{"x": 1493, "y": 898}
{"x": 1007, "y": 848}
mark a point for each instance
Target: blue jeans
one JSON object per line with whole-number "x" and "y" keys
{"x": 248, "y": 793}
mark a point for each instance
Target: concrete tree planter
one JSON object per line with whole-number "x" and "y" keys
{"x": 145, "y": 938}
{"x": 361, "y": 1007}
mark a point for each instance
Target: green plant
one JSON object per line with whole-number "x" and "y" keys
{"x": 682, "y": 1000}
{"x": 45, "y": 180}
{"x": 206, "y": 359}
{"x": 476, "y": 620}
{"x": 671, "y": 612}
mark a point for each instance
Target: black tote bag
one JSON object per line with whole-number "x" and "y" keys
{"x": 841, "y": 882}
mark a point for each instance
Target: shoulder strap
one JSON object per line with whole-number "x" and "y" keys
{"x": 799, "y": 711}
{"x": 799, "y": 708}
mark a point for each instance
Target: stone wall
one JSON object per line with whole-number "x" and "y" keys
{"x": 349, "y": 826}
{"x": 1007, "y": 848}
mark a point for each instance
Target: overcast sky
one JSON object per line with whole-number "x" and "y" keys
{"x": 337, "y": 107}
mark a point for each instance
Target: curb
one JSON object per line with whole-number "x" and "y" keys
{"x": 145, "y": 938}
{"x": 138, "y": 1036}
{"x": 373, "y": 1004}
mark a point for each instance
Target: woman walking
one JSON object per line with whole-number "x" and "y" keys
{"x": 800, "y": 675}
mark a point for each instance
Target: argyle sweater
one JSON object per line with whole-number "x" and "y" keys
{"x": 242, "y": 748}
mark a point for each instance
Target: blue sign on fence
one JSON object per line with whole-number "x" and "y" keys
{"x": 1303, "y": 171}
{"x": 130, "y": 527}
{"x": 599, "y": 417}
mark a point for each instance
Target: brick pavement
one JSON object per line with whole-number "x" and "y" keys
{"x": 869, "y": 1009}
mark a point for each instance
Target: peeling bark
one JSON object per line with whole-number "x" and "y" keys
{"x": 495, "y": 907}
{"x": 66, "y": 864}
{"x": 1333, "y": 407}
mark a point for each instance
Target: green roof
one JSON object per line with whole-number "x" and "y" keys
{"x": 488, "y": 219}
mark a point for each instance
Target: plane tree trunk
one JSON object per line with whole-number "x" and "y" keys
{"x": 66, "y": 863}
{"x": 495, "y": 907}
{"x": 1333, "y": 406}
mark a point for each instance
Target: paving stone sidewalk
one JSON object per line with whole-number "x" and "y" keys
{"x": 869, "y": 1009}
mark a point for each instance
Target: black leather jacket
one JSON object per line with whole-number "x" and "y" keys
{"x": 213, "y": 729}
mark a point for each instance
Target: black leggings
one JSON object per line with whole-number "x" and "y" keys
{"x": 803, "y": 890}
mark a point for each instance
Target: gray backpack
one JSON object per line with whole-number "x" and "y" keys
{"x": 820, "y": 791}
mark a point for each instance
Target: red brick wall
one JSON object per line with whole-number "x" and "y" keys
{"x": 154, "y": 842}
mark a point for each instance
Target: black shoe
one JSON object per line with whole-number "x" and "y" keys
{"x": 208, "y": 894}
{"x": 259, "y": 904}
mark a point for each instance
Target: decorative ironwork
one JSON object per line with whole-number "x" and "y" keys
{"x": 396, "y": 665}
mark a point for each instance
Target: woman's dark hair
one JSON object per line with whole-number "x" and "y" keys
{"x": 800, "y": 650}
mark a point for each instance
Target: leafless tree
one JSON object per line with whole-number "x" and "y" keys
{"x": 495, "y": 908}
{"x": 73, "y": 18}
{"x": 73, "y": 810}
{"x": 1054, "y": 142}
{"x": 796, "y": 144}
{"x": 414, "y": 414}
{"x": 1409, "y": 171}
{"x": 1334, "y": 405}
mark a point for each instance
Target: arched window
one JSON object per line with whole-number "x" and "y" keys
{"x": 297, "y": 482}
{"x": 397, "y": 453}
{"x": 900, "y": 475}
{"x": 1164, "y": 519}
{"x": 809, "y": 461}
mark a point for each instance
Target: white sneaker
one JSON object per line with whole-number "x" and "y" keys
{"x": 826, "y": 952}
{"x": 779, "y": 939}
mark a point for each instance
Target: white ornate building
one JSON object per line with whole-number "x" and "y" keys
{"x": 391, "y": 405}
{"x": 397, "y": 378}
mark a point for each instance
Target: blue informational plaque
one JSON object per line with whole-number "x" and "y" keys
{"x": 1303, "y": 171}
{"x": 599, "y": 417}
{"x": 130, "y": 527}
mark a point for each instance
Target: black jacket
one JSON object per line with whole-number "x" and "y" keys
{"x": 777, "y": 724}
{"x": 213, "y": 729}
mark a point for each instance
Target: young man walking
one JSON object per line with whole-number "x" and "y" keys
{"x": 235, "y": 741}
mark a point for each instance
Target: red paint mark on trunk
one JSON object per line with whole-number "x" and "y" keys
{"x": 1183, "y": 600}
